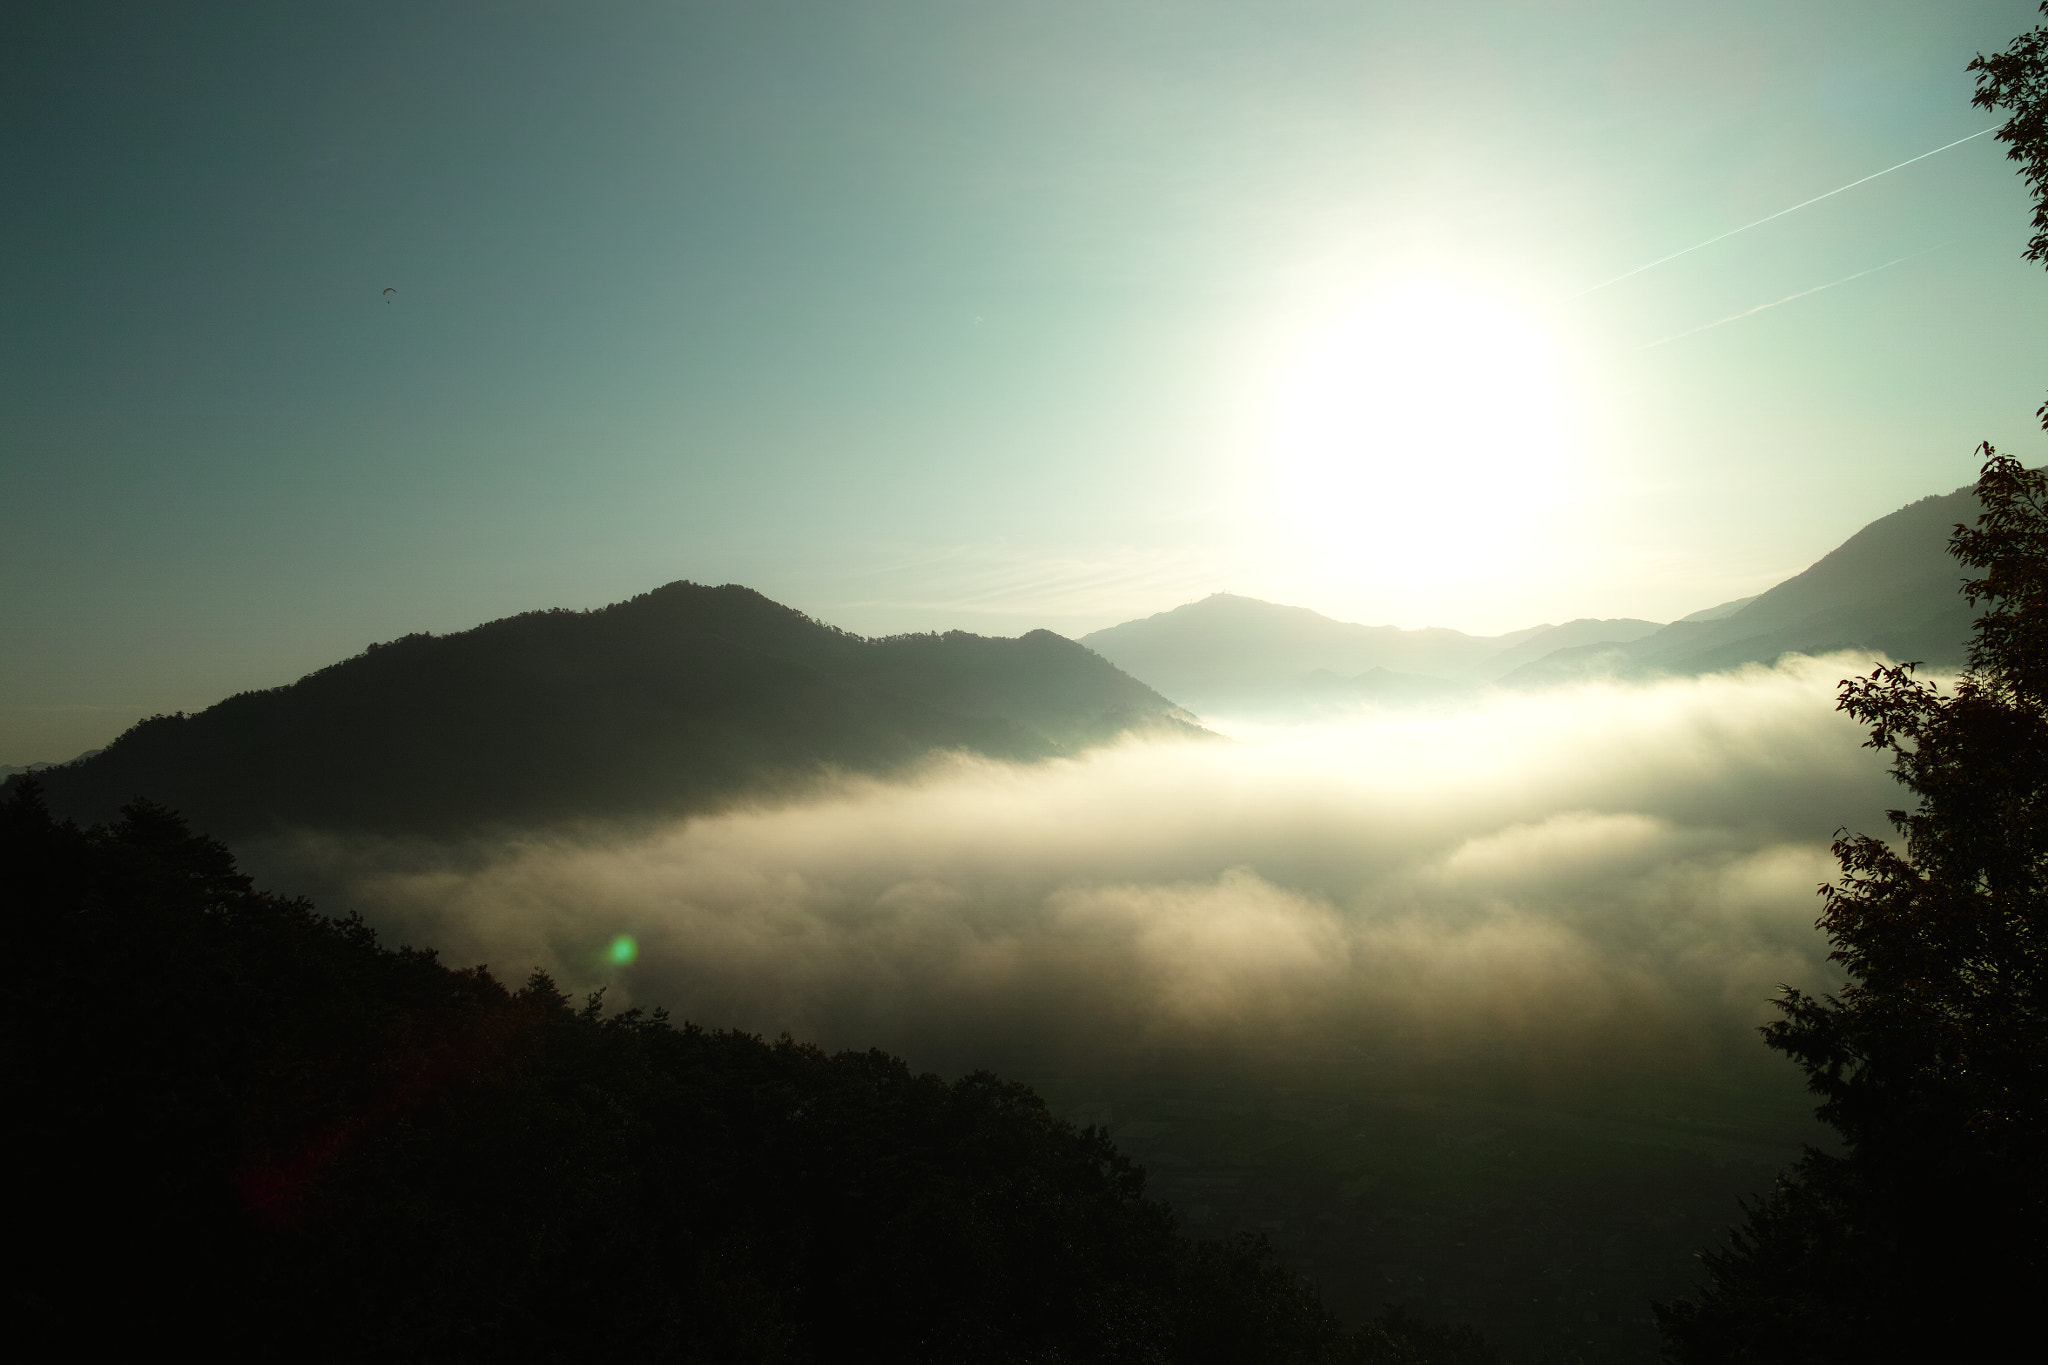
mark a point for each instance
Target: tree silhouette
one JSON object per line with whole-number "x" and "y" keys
{"x": 2017, "y": 80}
{"x": 1932, "y": 1062}
{"x": 1923, "y": 1237}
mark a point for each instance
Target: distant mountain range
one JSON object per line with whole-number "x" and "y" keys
{"x": 10, "y": 769}
{"x": 1237, "y": 654}
{"x": 1891, "y": 588}
{"x": 680, "y": 699}
{"x": 689, "y": 696}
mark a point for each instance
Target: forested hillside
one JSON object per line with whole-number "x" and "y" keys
{"x": 676, "y": 700}
{"x": 245, "y": 1124}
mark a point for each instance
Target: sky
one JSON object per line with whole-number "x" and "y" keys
{"x": 320, "y": 324}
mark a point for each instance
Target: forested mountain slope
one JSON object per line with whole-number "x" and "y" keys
{"x": 675, "y": 700}
{"x": 257, "y": 1127}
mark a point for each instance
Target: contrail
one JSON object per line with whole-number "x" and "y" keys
{"x": 1748, "y": 312}
{"x": 1780, "y": 214}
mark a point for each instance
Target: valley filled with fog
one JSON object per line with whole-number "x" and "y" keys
{"x": 1321, "y": 978}
{"x": 1611, "y": 875}
{"x": 1012, "y": 683}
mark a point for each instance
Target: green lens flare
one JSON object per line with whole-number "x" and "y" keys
{"x": 624, "y": 950}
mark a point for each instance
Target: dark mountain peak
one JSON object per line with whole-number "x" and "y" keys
{"x": 674, "y": 700}
{"x": 729, "y": 607}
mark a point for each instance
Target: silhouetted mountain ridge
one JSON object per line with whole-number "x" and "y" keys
{"x": 678, "y": 699}
{"x": 1236, "y": 654}
{"x": 1892, "y": 588}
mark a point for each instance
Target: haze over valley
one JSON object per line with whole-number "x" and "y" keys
{"x": 1074, "y": 682}
{"x": 1388, "y": 943}
{"x": 1390, "y": 908}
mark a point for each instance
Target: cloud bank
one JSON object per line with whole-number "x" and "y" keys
{"x": 1591, "y": 879}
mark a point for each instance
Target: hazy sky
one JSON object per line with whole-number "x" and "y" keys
{"x": 993, "y": 316}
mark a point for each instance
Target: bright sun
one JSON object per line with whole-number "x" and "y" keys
{"x": 1417, "y": 434}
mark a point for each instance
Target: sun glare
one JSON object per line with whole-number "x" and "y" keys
{"x": 1416, "y": 433}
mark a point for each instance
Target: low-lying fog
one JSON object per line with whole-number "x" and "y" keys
{"x": 1598, "y": 880}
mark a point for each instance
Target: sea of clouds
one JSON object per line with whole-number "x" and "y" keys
{"x": 1609, "y": 876}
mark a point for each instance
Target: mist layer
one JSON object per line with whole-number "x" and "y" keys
{"x": 1613, "y": 877}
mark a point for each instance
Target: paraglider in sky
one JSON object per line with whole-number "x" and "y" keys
{"x": 388, "y": 293}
